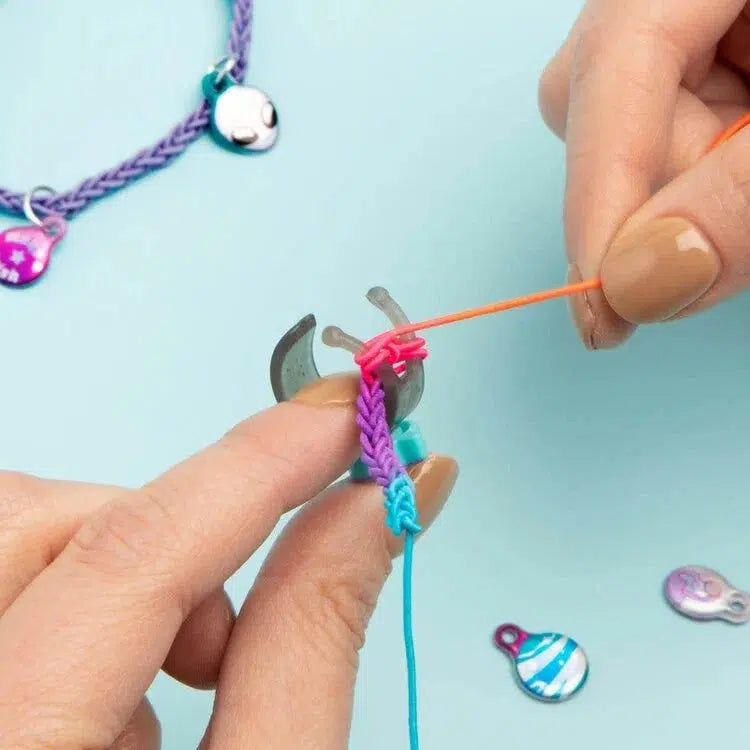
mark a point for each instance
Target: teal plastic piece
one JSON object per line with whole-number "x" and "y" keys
{"x": 408, "y": 444}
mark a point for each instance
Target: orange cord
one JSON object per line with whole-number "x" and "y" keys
{"x": 496, "y": 307}
{"x": 732, "y": 130}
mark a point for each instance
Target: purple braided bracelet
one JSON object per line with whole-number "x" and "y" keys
{"x": 148, "y": 160}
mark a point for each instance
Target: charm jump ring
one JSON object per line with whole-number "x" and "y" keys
{"x": 222, "y": 69}
{"x": 28, "y": 209}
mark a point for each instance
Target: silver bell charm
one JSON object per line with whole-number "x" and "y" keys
{"x": 243, "y": 118}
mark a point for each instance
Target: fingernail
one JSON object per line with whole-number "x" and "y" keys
{"x": 434, "y": 480}
{"x": 655, "y": 271}
{"x": 333, "y": 391}
{"x": 598, "y": 325}
{"x": 581, "y": 310}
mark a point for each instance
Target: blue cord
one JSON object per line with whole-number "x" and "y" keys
{"x": 401, "y": 517}
{"x": 411, "y": 666}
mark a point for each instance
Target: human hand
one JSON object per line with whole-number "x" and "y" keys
{"x": 101, "y": 587}
{"x": 639, "y": 90}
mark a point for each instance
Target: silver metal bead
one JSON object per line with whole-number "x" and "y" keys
{"x": 245, "y": 118}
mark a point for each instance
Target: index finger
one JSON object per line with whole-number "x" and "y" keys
{"x": 628, "y": 64}
{"x": 102, "y": 617}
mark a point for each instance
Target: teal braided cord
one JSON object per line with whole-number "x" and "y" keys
{"x": 387, "y": 470}
{"x": 401, "y": 511}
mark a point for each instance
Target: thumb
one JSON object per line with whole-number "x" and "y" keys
{"x": 687, "y": 248}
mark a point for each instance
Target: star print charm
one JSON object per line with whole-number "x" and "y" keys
{"x": 25, "y": 252}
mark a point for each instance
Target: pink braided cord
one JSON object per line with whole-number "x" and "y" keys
{"x": 151, "y": 159}
{"x": 389, "y": 348}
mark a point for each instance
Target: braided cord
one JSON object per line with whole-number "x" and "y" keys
{"x": 150, "y": 159}
{"x": 384, "y": 467}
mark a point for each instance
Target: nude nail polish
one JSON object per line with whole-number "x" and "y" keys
{"x": 652, "y": 273}
{"x": 434, "y": 479}
{"x": 333, "y": 391}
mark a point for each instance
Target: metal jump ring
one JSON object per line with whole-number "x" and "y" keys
{"x": 28, "y": 209}
{"x": 223, "y": 68}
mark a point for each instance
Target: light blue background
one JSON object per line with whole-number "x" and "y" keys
{"x": 412, "y": 155}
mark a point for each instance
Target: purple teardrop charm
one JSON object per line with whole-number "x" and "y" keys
{"x": 25, "y": 251}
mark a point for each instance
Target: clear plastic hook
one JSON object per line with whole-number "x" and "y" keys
{"x": 380, "y": 297}
{"x": 335, "y": 337}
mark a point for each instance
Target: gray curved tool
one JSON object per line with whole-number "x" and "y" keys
{"x": 293, "y": 361}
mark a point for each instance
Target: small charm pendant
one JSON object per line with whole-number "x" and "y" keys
{"x": 243, "y": 118}
{"x": 25, "y": 251}
{"x": 549, "y": 666}
{"x": 703, "y": 594}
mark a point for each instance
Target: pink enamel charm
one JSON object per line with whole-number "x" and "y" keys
{"x": 703, "y": 594}
{"x": 25, "y": 251}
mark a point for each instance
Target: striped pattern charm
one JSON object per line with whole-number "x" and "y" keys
{"x": 549, "y": 666}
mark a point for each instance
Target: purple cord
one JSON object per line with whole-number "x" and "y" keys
{"x": 379, "y": 456}
{"x": 158, "y": 156}
{"x": 375, "y": 435}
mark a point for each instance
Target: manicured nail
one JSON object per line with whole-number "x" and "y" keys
{"x": 598, "y": 325}
{"x": 434, "y": 480}
{"x": 581, "y": 310}
{"x": 334, "y": 391}
{"x": 652, "y": 273}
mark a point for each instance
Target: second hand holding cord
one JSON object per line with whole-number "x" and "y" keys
{"x": 389, "y": 347}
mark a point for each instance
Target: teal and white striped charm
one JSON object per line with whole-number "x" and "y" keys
{"x": 549, "y": 666}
